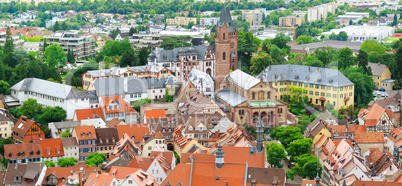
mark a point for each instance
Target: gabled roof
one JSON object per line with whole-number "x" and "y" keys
{"x": 52, "y": 147}
{"x": 123, "y": 106}
{"x": 134, "y": 130}
{"x": 121, "y": 173}
{"x": 369, "y": 137}
{"x": 66, "y": 124}
{"x": 180, "y": 174}
{"x": 69, "y": 142}
{"x": 266, "y": 176}
{"x": 23, "y": 125}
{"x": 374, "y": 115}
{"x": 29, "y": 170}
{"x": 230, "y": 97}
{"x": 151, "y": 114}
{"x": 23, "y": 150}
{"x": 50, "y": 88}
{"x": 242, "y": 79}
{"x": 106, "y": 136}
{"x": 114, "y": 122}
{"x": 119, "y": 86}
{"x": 377, "y": 68}
{"x": 85, "y": 132}
{"x": 88, "y": 113}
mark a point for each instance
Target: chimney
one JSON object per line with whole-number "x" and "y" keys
{"x": 217, "y": 134}
{"x": 125, "y": 85}
{"x": 318, "y": 69}
{"x": 80, "y": 178}
{"x": 309, "y": 68}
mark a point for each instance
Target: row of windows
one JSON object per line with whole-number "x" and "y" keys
{"x": 43, "y": 96}
{"x": 84, "y": 150}
{"x": 87, "y": 142}
{"x": 312, "y": 86}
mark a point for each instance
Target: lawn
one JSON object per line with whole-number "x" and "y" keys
{"x": 390, "y": 39}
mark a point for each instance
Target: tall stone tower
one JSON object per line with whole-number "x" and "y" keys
{"x": 225, "y": 47}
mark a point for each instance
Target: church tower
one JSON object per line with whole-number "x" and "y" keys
{"x": 225, "y": 47}
{"x": 260, "y": 135}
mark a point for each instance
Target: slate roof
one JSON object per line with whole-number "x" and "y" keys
{"x": 242, "y": 79}
{"x": 104, "y": 134}
{"x": 337, "y": 45}
{"x": 266, "y": 176}
{"x": 230, "y": 97}
{"x": 50, "y": 88}
{"x": 116, "y": 86}
{"x": 3, "y": 118}
{"x": 305, "y": 74}
{"x": 377, "y": 68}
{"x": 69, "y": 142}
{"x": 66, "y": 124}
{"x": 119, "y": 71}
{"x": 154, "y": 83}
{"x": 163, "y": 55}
{"x": 225, "y": 17}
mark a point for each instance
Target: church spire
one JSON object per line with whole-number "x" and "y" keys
{"x": 260, "y": 133}
{"x": 219, "y": 157}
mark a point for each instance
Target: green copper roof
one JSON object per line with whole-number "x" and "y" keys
{"x": 262, "y": 103}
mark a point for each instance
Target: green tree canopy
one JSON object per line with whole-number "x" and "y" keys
{"x": 260, "y": 62}
{"x": 65, "y": 134}
{"x": 275, "y": 154}
{"x": 95, "y": 159}
{"x": 55, "y": 55}
{"x": 286, "y": 135}
{"x": 304, "y": 39}
{"x": 170, "y": 43}
{"x": 50, "y": 164}
{"x": 4, "y": 87}
{"x": 372, "y": 45}
{"x": 299, "y": 147}
{"x": 345, "y": 58}
{"x": 67, "y": 162}
{"x": 364, "y": 85}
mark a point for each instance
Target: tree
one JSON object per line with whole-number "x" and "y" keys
{"x": 395, "y": 21}
{"x": 362, "y": 61}
{"x": 56, "y": 26}
{"x": 128, "y": 58}
{"x": 52, "y": 114}
{"x": 30, "y": 108}
{"x": 190, "y": 25}
{"x": 50, "y": 164}
{"x": 325, "y": 54}
{"x": 64, "y": 26}
{"x": 44, "y": 45}
{"x": 3, "y": 142}
{"x": 65, "y": 134}
{"x": 19, "y": 54}
{"x": 246, "y": 47}
{"x": 350, "y": 22}
{"x": 345, "y": 58}
{"x": 168, "y": 97}
{"x": 398, "y": 60}
{"x": 260, "y": 62}
{"x": 113, "y": 34}
{"x": 280, "y": 42}
{"x": 306, "y": 166}
{"x": 190, "y": 14}
{"x": 62, "y": 162}
{"x": 286, "y": 135}
{"x": 304, "y": 40}
{"x": 115, "y": 48}
{"x": 9, "y": 44}
{"x": 143, "y": 54}
{"x": 132, "y": 31}
{"x": 372, "y": 45}
{"x": 55, "y": 55}
{"x": 170, "y": 43}
{"x": 95, "y": 159}
{"x": 364, "y": 85}
{"x": 4, "y": 87}
{"x": 332, "y": 36}
{"x": 275, "y": 154}
{"x": 342, "y": 36}
{"x": 70, "y": 56}
{"x": 299, "y": 147}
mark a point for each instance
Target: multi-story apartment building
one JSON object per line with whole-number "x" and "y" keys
{"x": 320, "y": 12}
{"x": 106, "y": 140}
{"x": 289, "y": 21}
{"x": 18, "y": 43}
{"x": 48, "y": 93}
{"x": 5, "y": 127}
{"x": 181, "y": 21}
{"x": 147, "y": 71}
{"x": 320, "y": 85}
{"x": 82, "y": 45}
{"x": 209, "y": 21}
{"x": 86, "y": 139}
{"x": 253, "y": 17}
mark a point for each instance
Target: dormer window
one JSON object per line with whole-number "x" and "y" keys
{"x": 83, "y": 135}
{"x": 48, "y": 152}
{"x": 114, "y": 140}
{"x": 107, "y": 140}
{"x": 58, "y": 151}
{"x": 100, "y": 141}
{"x": 89, "y": 134}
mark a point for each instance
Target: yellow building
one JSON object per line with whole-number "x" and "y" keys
{"x": 320, "y": 85}
{"x": 290, "y": 21}
{"x": 254, "y": 18}
{"x": 151, "y": 71}
{"x": 5, "y": 127}
{"x": 381, "y": 76}
{"x": 181, "y": 21}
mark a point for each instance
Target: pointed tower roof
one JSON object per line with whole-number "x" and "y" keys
{"x": 226, "y": 18}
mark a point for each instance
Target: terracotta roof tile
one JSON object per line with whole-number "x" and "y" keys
{"x": 88, "y": 113}
{"x": 180, "y": 174}
{"x": 123, "y": 105}
{"x": 122, "y": 172}
{"x": 390, "y": 113}
{"x": 357, "y": 128}
{"x": 136, "y": 130}
{"x": 154, "y": 114}
{"x": 52, "y": 147}
{"x": 114, "y": 122}
{"x": 366, "y": 137}
{"x": 374, "y": 115}
{"x": 14, "y": 151}
{"x": 85, "y": 132}
{"x": 23, "y": 125}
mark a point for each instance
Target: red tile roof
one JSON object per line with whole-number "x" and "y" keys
{"x": 52, "y": 147}
{"x": 369, "y": 137}
{"x": 21, "y": 150}
{"x": 155, "y": 114}
{"x": 122, "y": 172}
{"x": 136, "y": 130}
{"x": 124, "y": 106}
{"x": 85, "y": 132}
{"x": 374, "y": 115}
{"x": 357, "y": 128}
{"x": 23, "y": 125}
{"x": 390, "y": 113}
{"x": 88, "y": 113}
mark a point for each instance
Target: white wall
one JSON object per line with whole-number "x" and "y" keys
{"x": 155, "y": 169}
